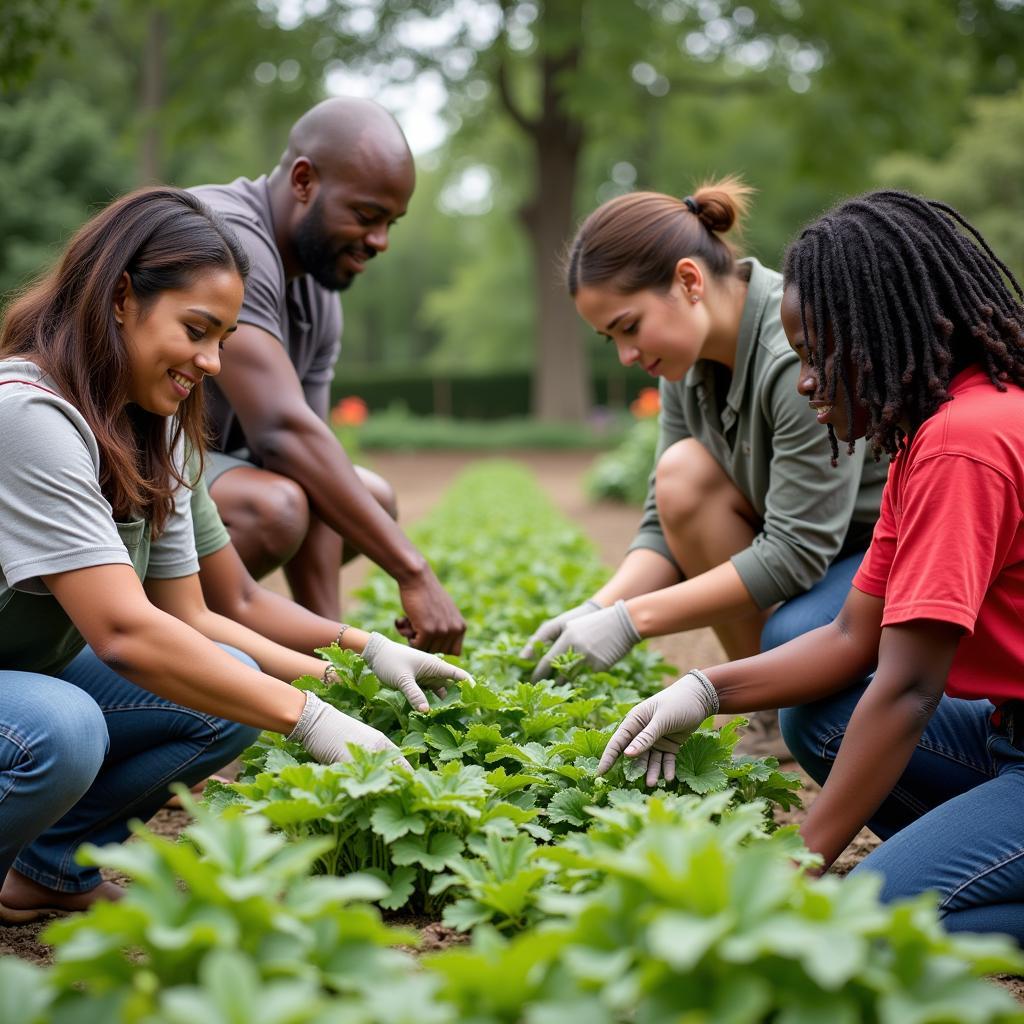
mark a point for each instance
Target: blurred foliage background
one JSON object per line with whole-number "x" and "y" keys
{"x": 543, "y": 109}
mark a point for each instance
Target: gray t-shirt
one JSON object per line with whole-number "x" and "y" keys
{"x": 762, "y": 434}
{"x": 53, "y": 516}
{"x": 304, "y": 316}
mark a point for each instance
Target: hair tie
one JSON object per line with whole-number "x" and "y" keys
{"x": 692, "y": 205}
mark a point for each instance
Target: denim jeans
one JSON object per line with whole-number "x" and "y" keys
{"x": 815, "y": 607}
{"x": 83, "y": 753}
{"x": 953, "y": 822}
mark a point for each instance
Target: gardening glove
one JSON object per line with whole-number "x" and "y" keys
{"x": 602, "y": 637}
{"x": 325, "y": 733}
{"x": 551, "y": 630}
{"x": 653, "y": 731}
{"x": 401, "y": 668}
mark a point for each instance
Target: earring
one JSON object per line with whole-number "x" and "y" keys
{"x": 695, "y": 298}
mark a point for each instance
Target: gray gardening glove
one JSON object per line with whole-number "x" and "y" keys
{"x": 401, "y": 668}
{"x": 602, "y": 637}
{"x": 548, "y": 632}
{"x": 653, "y": 731}
{"x": 325, "y": 733}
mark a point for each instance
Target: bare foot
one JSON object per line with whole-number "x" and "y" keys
{"x": 22, "y": 900}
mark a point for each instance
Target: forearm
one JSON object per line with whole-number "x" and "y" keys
{"x": 229, "y": 590}
{"x": 640, "y": 572}
{"x": 881, "y": 736}
{"x": 274, "y": 659}
{"x": 718, "y": 595}
{"x": 309, "y": 454}
{"x": 199, "y": 674}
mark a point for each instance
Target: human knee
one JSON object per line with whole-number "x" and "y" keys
{"x": 799, "y": 726}
{"x": 277, "y": 517}
{"x": 67, "y": 744}
{"x": 781, "y": 627}
{"x": 686, "y": 478}
{"x": 382, "y": 491}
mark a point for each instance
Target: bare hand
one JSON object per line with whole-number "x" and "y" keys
{"x": 436, "y": 624}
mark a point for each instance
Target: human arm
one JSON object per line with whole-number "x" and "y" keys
{"x": 913, "y": 662}
{"x": 813, "y": 666}
{"x": 166, "y": 656}
{"x": 261, "y": 384}
{"x": 283, "y": 627}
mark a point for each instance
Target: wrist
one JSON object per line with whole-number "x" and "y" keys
{"x": 641, "y": 615}
{"x": 706, "y": 690}
{"x": 354, "y": 640}
{"x": 411, "y": 568}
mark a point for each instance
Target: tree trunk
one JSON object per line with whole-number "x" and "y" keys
{"x": 151, "y": 98}
{"x": 561, "y": 377}
{"x": 561, "y": 374}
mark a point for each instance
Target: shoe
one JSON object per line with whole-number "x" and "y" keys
{"x": 23, "y": 901}
{"x": 763, "y": 738}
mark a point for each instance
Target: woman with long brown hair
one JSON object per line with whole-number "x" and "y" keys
{"x": 741, "y": 515}
{"x": 115, "y": 678}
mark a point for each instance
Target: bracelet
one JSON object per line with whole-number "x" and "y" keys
{"x": 710, "y": 693}
{"x": 330, "y": 676}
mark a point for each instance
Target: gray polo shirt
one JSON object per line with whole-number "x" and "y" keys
{"x": 302, "y": 315}
{"x": 763, "y": 435}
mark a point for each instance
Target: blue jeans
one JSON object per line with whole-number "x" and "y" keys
{"x": 816, "y": 607}
{"x": 84, "y": 753}
{"x": 952, "y": 824}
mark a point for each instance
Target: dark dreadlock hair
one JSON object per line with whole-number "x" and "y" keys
{"x": 912, "y": 294}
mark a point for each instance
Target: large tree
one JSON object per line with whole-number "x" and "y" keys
{"x": 570, "y": 72}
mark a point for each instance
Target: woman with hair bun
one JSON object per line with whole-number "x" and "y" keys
{"x": 746, "y": 528}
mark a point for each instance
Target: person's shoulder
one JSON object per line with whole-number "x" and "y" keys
{"x": 978, "y": 421}
{"x": 34, "y": 415}
{"x": 765, "y": 291}
{"x": 242, "y": 198}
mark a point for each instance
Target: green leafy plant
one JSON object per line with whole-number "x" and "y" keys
{"x": 684, "y": 909}
{"x": 226, "y": 925}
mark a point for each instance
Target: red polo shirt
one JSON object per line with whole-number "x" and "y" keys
{"x": 949, "y": 543}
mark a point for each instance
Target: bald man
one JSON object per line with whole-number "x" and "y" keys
{"x": 285, "y": 488}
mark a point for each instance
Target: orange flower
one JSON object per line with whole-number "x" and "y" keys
{"x": 646, "y": 405}
{"x": 349, "y": 412}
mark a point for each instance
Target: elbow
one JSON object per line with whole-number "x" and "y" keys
{"x": 282, "y": 442}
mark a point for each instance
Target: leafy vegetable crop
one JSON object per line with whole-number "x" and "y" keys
{"x": 588, "y": 899}
{"x": 499, "y": 760}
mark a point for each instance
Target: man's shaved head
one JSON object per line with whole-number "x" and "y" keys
{"x": 341, "y": 132}
{"x": 342, "y": 183}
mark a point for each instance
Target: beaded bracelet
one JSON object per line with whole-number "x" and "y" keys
{"x": 330, "y": 675}
{"x": 708, "y": 687}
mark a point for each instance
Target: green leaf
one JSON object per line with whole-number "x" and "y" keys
{"x": 24, "y": 992}
{"x": 569, "y": 805}
{"x": 435, "y": 853}
{"x": 699, "y": 763}
{"x": 391, "y": 821}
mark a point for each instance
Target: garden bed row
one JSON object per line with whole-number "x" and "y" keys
{"x": 586, "y": 898}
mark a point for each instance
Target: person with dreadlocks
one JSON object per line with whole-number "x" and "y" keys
{"x": 909, "y": 707}
{"x": 746, "y": 528}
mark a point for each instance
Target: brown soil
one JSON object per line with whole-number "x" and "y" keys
{"x": 420, "y": 480}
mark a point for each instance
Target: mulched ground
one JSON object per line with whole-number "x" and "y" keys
{"x": 420, "y": 479}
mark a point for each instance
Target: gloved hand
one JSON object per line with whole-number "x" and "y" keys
{"x": 653, "y": 731}
{"x": 325, "y": 733}
{"x": 402, "y": 667}
{"x": 551, "y": 630}
{"x": 602, "y": 637}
